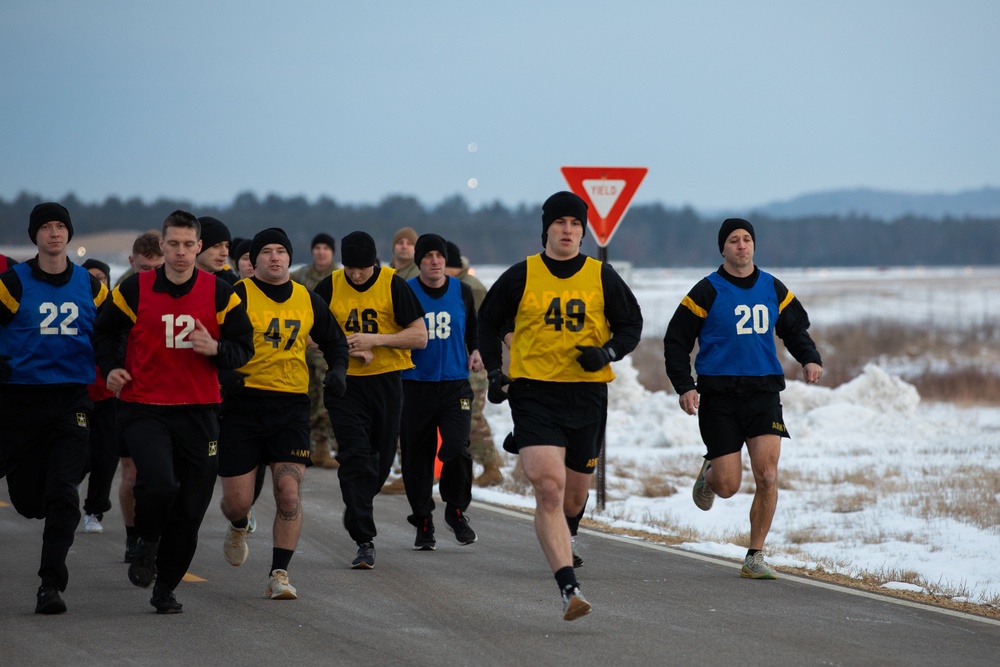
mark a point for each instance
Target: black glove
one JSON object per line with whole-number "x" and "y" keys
{"x": 495, "y": 393}
{"x": 335, "y": 381}
{"x": 5, "y": 368}
{"x": 510, "y": 444}
{"x": 232, "y": 381}
{"x": 593, "y": 358}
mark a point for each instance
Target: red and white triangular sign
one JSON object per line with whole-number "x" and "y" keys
{"x": 608, "y": 192}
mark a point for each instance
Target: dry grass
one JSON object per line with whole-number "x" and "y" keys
{"x": 966, "y": 494}
{"x": 848, "y": 348}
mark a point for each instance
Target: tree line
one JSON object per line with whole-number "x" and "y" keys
{"x": 651, "y": 234}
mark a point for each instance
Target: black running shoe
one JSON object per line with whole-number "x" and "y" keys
{"x": 49, "y": 601}
{"x": 366, "y": 556}
{"x": 425, "y": 536}
{"x": 459, "y": 524}
{"x": 130, "y": 546}
{"x": 142, "y": 571}
{"x": 164, "y": 601}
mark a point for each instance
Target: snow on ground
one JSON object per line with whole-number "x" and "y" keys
{"x": 872, "y": 480}
{"x": 863, "y": 461}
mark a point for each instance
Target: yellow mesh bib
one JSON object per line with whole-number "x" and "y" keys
{"x": 554, "y": 316}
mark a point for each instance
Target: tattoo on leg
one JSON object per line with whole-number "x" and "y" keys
{"x": 287, "y": 470}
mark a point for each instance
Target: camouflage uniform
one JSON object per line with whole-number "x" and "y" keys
{"x": 411, "y": 270}
{"x": 481, "y": 446}
{"x": 322, "y": 431}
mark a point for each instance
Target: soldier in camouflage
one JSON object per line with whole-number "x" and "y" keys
{"x": 322, "y": 265}
{"x": 481, "y": 446}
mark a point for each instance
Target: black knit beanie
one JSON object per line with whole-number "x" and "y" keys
{"x": 357, "y": 250}
{"x": 100, "y": 266}
{"x": 47, "y": 212}
{"x": 426, "y": 243}
{"x": 730, "y": 225}
{"x": 241, "y": 249}
{"x": 213, "y": 231}
{"x": 266, "y": 237}
{"x": 559, "y": 205}
{"x": 323, "y": 237}
{"x": 454, "y": 256}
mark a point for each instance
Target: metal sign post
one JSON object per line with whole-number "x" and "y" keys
{"x": 608, "y": 192}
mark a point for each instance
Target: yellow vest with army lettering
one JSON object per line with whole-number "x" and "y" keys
{"x": 370, "y": 311}
{"x": 554, "y": 316}
{"x": 280, "y": 335}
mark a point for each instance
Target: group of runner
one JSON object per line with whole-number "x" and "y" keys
{"x": 210, "y": 377}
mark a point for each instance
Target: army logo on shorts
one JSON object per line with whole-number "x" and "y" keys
{"x": 465, "y": 403}
{"x": 81, "y": 419}
{"x": 213, "y": 447}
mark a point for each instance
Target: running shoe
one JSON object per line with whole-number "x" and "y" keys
{"x": 142, "y": 570}
{"x": 235, "y": 547}
{"x": 164, "y": 601}
{"x": 131, "y": 543}
{"x": 366, "y": 556}
{"x": 278, "y": 587}
{"x": 754, "y": 567}
{"x": 48, "y": 601}
{"x": 251, "y": 521}
{"x": 425, "y": 536}
{"x": 459, "y": 524}
{"x": 702, "y": 493}
{"x": 574, "y": 604}
{"x": 577, "y": 561}
{"x": 92, "y": 524}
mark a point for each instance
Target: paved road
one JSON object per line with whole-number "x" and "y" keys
{"x": 491, "y": 603}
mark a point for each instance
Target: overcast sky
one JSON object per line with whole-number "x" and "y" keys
{"x": 728, "y": 103}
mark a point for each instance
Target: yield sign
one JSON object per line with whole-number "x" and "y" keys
{"x": 608, "y": 192}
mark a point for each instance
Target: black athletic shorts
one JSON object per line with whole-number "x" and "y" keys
{"x": 727, "y": 420}
{"x": 564, "y": 414}
{"x": 273, "y": 429}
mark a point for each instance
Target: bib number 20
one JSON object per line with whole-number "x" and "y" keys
{"x": 759, "y": 315}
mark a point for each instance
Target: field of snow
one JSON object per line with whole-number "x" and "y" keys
{"x": 872, "y": 480}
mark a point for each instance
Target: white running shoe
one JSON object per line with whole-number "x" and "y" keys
{"x": 754, "y": 567}
{"x": 235, "y": 548}
{"x": 278, "y": 587}
{"x": 91, "y": 524}
{"x": 574, "y": 605}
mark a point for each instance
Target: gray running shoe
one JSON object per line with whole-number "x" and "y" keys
{"x": 754, "y": 567}
{"x": 703, "y": 495}
{"x": 574, "y": 605}
{"x": 366, "y": 556}
{"x": 577, "y": 561}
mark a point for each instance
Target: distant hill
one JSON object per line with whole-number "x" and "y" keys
{"x": 884, "y": 205}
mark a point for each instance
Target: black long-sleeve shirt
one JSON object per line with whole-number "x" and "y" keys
{"x": 500, "y": 306}
{"x": 685, "y": 326}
